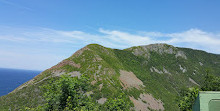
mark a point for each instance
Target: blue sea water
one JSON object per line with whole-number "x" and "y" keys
{"x": 12, "y": 78}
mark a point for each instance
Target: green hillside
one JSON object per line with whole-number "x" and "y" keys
{"x": 151, "y": 76}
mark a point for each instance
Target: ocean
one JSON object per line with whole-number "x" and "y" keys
{"x": 10, "y": 79}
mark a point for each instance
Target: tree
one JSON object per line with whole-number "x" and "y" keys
{"x": 211, "y": 83}
{"x": 187, "y": 98}
{"x": 67, "y": 93}
{"x": 120, "y": 103}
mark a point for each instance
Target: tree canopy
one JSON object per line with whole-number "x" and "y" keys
{"x": 187, "y": 96}
{"x": 69, "y": 94}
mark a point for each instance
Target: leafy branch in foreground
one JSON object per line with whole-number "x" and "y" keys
{"x": 187, "y": 98}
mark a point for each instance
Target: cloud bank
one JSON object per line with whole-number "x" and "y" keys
{"x": 60, "y": 44}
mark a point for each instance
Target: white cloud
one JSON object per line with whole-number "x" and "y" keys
{"x": 54, "y": 43}
{"x": 195, "y": 38}
{"x": 126, "y": 38}
{"x": 118, "y": 39}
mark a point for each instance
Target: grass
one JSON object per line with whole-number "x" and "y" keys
{"x": 162, "y": 86}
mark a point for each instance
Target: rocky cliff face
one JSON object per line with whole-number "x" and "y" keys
{"x": 159, "y": 48}
{"x": 150, "y": 75}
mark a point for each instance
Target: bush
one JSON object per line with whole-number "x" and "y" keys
{"x": 119, "y": 103}
{"x": 211, "y": 83}
{"x": 66, "y": 93}
{"x": 187, "y": 98}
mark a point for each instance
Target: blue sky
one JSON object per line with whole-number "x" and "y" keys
{"x": 37, "y": 34}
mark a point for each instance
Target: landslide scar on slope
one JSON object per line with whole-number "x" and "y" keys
{"x": 129, "y": 80}
{"x": 149, "y": 103}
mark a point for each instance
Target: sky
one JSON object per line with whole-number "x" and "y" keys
{"x": 37, "y": 34}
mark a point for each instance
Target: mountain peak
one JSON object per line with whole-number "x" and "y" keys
{"x": 160, "y": 48}
{"x": 158, "y": 45}
{"x": 148, "y": 74}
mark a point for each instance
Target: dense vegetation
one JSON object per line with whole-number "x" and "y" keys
{"x": 69, "y": 94}
{"x": 162, "y": 72}
{"x": 188, "y": 96}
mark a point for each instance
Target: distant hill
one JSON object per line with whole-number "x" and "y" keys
{"x": 150, "y": 75}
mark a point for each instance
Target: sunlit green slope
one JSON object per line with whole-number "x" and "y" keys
{"x": 151, "y": 76}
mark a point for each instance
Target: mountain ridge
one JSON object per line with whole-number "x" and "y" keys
{"x": 158, "y": 72}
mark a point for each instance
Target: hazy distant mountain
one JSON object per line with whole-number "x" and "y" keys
{"x": 151, "y": 75}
